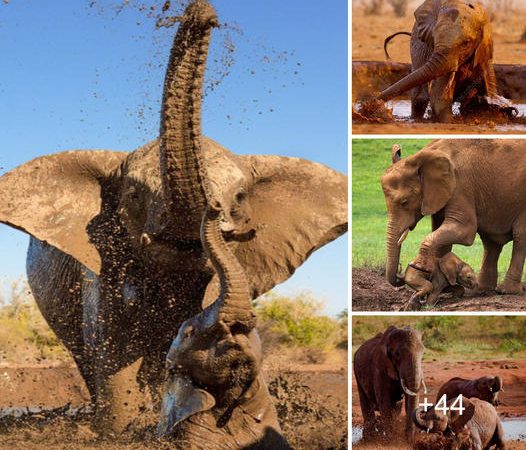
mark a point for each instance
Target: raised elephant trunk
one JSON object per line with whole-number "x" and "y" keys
{"x": 394, "y": 237}
{"x": 416, "y": 417}
{"x": 435, "y": 67}
{"x": 236, "y": 308}
{"x": 180, "y": 134}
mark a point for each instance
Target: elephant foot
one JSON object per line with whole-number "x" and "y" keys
{"x": 510, "y": 288}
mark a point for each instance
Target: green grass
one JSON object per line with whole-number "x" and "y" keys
{"x": 370, "y": 158}
{"x": 454, "y": 337}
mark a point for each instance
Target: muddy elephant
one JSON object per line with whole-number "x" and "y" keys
{"x": 451, "y": 274}
{"x": 485, "y": 388}
{"x": 216, "y": 397}
{"x": 388, "y": 368}
{"x": 477, "y": 428}
{"x": 451, "y": 58}
{"x": 468, "y": 186}
{"x": 115, "y": 260}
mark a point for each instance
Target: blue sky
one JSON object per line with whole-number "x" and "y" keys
{"x": 75, "y": 77}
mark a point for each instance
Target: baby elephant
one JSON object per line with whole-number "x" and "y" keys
{"x": 477, "y": 428}
{"x": 485, "y": 388}
{"x": 451, "y": 275}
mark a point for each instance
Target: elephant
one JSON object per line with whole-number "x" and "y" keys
{"x": 216, "y": 397}
{"x": 388, "y": 368}
{"x": 485, "y": 388}
{"x": 115, "y": 260}
{"x": 467, "y": 186}
{"x": 451, "y": 59}
{"x": 477, "y": 428}
{"x": 451, "y": 274}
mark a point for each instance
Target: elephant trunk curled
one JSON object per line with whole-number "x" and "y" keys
{"x": 236, "y": 307}
{"x": 393, "y": 253}
{"x": 435, "y": 67}
{"x": 181, "y": 156}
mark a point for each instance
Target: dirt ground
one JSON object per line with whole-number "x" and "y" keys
{"x": 369, "y": 32}
{"x": 311, "y": 402}
{"x": 438, "y": 372}
{"x": 371, "y": 292}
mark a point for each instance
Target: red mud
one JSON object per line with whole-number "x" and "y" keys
{"x": 311, "y": 403}
{"x": 371, "y": 292}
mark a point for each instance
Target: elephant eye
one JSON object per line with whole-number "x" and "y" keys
{"x": 403, "y": 201}
{"x": 240, "y": 196}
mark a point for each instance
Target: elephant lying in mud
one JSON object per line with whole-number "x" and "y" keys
{"x": 485, "y": 388}
{"x": 388, "y": 368}
{"x": 452, "y": 59}
{"x": 468, "y": 186}
{"x": 216, "y": 396}
{"x": 477, "y": 428}
{"x": 115, "y": 259}
{"x": 451, "y": 274}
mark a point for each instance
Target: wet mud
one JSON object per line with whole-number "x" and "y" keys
{"x": 46, "y": 408}
{"x": 512, "y": 409}
{"x": 372, "y": 292}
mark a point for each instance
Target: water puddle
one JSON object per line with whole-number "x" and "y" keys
{"x": 514, "y": 429}
{"x": 402, "y": 113}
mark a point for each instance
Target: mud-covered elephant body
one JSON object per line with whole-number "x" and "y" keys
{"x": 468, "y": 187}
{"x": 485, "y": 388}
{"x": 388, "y": 368}
{"x": 477, "y": 428}
{"x": 452, "y": 58}
{"x": 115, "y": 261}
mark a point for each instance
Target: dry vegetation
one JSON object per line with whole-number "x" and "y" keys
{"x": 293, "y": 329}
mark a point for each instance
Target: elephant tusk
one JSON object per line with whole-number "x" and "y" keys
{"x": 407, "y": 390}
{"x": 145, "y": 240}
{"x": 404, "y": 235}
{"x": 424, "y": 386}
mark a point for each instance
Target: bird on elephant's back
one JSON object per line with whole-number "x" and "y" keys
{"x": 388, "y": 369}
{"x": 115, "y": 260}
{"x": 452, "y": 61}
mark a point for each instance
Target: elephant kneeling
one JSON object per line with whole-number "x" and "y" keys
{"x": 477, "y": 428}
{"x": 485, "y": 388}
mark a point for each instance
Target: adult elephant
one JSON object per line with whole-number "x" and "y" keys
{"x": 115, "y": 259}
{"x": 388, "y": 368}
{"x": 451, "y": 54}
{"x": 467, "y": 186}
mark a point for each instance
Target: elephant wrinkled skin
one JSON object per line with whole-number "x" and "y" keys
{"x": 388, "y": 368}
{"x": 468, "y": 186}
{"x": 486, "y": 388}
{"x": 452, "y": 59}
{"x": 477, "y": 428}
{"x": 115, "y": 260}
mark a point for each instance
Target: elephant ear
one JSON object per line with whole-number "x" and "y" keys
{"x": 385, "y": 359}
{"x": 497, "y": 384}
{"x": 182, "y": 400}
{"x": 54, "y": 198}
{"x": 297, "y": 207}
{"x": 425, "y": 18}
{"x": 437, "y": 178}
{"x": 449, "y": 266}
{"x": 457, "y": 420}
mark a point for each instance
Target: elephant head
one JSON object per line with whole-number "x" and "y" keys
{"x": 413, "y": 187}
{"x": 449, "y": 423}
{"x": 401, "y": 357}
{"x": 455, "y": 32}
{"x": 457, "y": 271}
{"x": 110, "y": 210}
{"x": 488, "y": 388}
{"x": 215, "y": 360}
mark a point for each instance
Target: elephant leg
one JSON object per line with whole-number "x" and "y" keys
{"x": 120, "y": 400}
{"x": 419, "y": 102}
{"x": 513, "y": 281}
{"x": 387, "y": 417}
{"x": 410, "y": 404}
{"x": 451, "y": 232}
{"x": 369, "y": 418}
{"x": 488, "y": 275}
{"x": 441, "y": 93}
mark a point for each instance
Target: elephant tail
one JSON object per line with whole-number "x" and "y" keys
{"x": 388, "y": 39}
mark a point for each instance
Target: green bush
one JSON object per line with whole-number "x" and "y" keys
{"x": 298, "y": 322}
{"x": 438, "y": 330}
